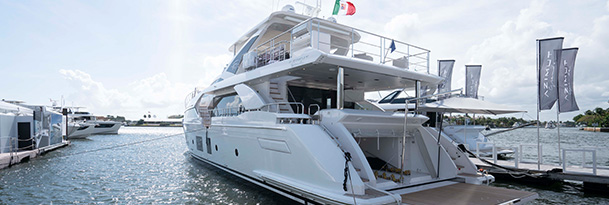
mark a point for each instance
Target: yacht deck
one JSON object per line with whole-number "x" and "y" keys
{"x": 462, "y": 193}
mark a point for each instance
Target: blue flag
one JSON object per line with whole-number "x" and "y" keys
{"x": 392, "y": 46}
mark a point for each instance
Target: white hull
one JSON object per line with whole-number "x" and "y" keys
{"x": 80, "y": 130}
{"x": 302, "y": 159}
{"x": 474, "y": 140}
{"x": 106, "y": 127}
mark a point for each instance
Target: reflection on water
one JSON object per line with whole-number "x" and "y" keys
{"x": 161, "y": 171}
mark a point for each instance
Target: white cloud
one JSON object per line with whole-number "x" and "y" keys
{"x": 607, "y": 5}
{"x": 508, "y": 58}
{"x": 155, "y": 94}
{"x": 406, "y": 25}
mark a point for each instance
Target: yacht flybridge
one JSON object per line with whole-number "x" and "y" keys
{"x": 288, "y": 113}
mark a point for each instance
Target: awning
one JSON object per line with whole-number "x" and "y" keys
{"x": 467, "y": 105}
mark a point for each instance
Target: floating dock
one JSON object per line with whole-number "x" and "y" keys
{"x": 12, "y": 158}
{"x": 595, "y": 129}
{"x": 594, "y": 178}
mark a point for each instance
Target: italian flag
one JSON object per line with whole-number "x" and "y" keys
{"x": 343, "y": 8}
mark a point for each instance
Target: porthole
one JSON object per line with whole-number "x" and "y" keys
{"x": 216, "y": 147}
{"x": 236, "y": 152}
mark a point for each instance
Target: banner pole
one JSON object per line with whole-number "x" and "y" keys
{"x": 538, "y": 103}
{"x": 558, "y": 130}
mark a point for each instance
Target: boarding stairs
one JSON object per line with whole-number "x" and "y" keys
{"x": 280, "y": 97}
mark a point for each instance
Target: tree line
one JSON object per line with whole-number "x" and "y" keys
{"x": 598, "y": 117}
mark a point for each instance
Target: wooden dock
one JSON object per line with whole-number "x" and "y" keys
{"x": 9, "y": 159}
{"x": 594, "y": 180}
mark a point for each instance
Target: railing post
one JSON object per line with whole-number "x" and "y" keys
{"x": 310, "y": 30}
{"x": 318, "y": 34}
{"x": 516, "y": 160}
{"x": 381, "y": 60}
{"x": 427, "y": 62}
{"x": 564, "y": 158}
{"x": 340, "y": 86}
{"x": 408, "y": 60}
{"x": 594, "y": 162}
{"x": 352, "y": 43}
{"x": 494, "y": 154}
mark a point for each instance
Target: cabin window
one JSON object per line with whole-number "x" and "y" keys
{"x": 227, "y": 105}
{"x": 401, "y": 98}
{"x": 200, "y": 143}
{"x": 388, "y": 98}
{"x": 232, "y": 68}
{"x": 217, "y": 80}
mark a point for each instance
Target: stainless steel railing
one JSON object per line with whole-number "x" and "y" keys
{"x": 338, "y": 40}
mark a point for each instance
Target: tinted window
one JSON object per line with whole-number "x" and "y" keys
{"x": 237, "y": 60}
{"x": 228, "y": 105}
{"x": 389, "y": 97}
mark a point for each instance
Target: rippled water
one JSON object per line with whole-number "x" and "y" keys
{"x": 160, "y": 171}
{"x": 152, "y": 172}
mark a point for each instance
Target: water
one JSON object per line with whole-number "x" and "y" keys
{"x": 152, "y": 172}
{"x": 160, "y": 171}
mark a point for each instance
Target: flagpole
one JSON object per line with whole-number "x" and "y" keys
{"x": 558, "y": 130}
{"x": 538, "y": 105}
{"x": 558, "y": 102}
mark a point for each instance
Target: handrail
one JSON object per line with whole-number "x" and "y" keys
{"x": 494, "y": 155}
{"x": 313, "y": 105}
{"x": 564, "y": 164}
{"x": 232, "y": 111}
{"x": 379, "y": 51}
{"x": 298, "y": 106}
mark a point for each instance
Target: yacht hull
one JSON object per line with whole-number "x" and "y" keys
{"x": 80, "y": 131}
{"x": 106, "y": 127}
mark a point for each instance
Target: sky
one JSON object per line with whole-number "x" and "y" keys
{"x": 129, "y": 58}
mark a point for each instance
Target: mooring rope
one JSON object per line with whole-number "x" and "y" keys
{"x": 126, "y": 144}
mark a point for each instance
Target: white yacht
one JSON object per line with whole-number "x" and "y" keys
{"x": 79, "y": 130}
{"x": 83, "y": 124}
{"x": 288, "y": 114}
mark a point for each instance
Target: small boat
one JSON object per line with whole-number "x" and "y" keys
{"x": 551, "y": 125}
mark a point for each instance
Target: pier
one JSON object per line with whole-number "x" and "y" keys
{"x": 595, "y": 129}
{"x": 12, "y": 158}
{"x": 595, "y": 178}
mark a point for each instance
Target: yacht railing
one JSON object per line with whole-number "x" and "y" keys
{"x": 338, "y": 40}
{"x": 270, "y": 107}
{"x": 277, "y": 105}
{"x": 190, "y": 96}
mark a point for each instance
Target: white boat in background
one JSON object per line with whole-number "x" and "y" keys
{"x": 469, "y": 135}
{"x": 288, "y": 114}
{"x": 551, "y": 125}
{"x": 79, "y": 130}
{"x": 82, "y": 124}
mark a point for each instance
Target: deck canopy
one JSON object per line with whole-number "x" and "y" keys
{"x": 364, "y": 76}
{"x": 467, "y": 105}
